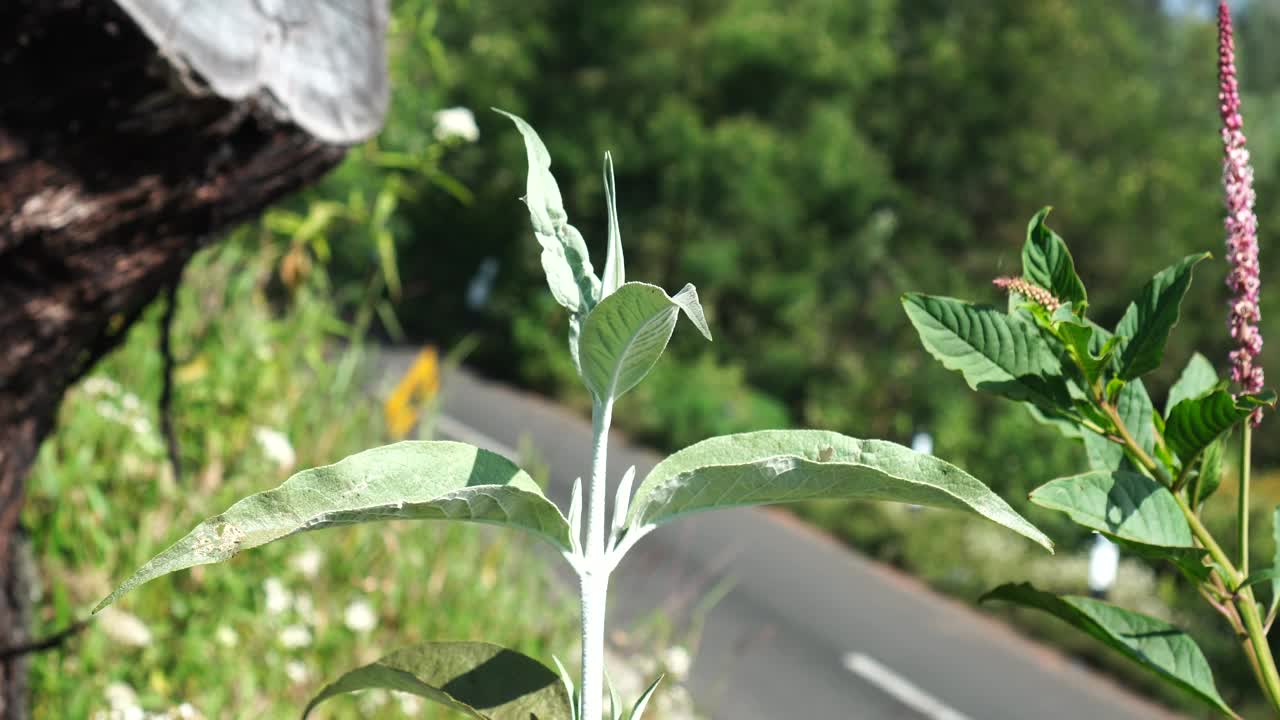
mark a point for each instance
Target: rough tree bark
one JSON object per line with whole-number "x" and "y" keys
{"x": 113, "y": 172}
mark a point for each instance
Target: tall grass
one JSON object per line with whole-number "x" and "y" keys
{"x": 264, "y": 371}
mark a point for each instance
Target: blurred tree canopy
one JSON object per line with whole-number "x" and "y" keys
{"x": 804, "y": 164}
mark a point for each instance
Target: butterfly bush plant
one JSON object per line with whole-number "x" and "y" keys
{"x": 1150, "y": 472}
{"x": 617, "y": 331}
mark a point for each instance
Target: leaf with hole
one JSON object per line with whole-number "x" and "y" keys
{"x": 777, "y": 466}
{"x": 1156, "y": 645}
{"x": 628, "y": 331}
{"x": 479, "y": 680}
{"x": 413, "y": 480}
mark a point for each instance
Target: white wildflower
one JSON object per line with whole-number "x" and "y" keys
{"x": 360, "y": 616}
{"x": 305, "y": 607}
{"x": 297, "y": 672}
{"x": 123, "y": 628}
{"x": 276, "y": 446}
{"x": 295, "y": 636}
{"x": 123, "y": 703}
{"x": 677, "y": 661}
{"x": 455, "y": 122}
{"x": 308, "y": 563}
{"x": 279, "y": 600}
{"x": 226, "y": 637}
{"x": 185, "y": 711}
{"x": 99, "y": 385}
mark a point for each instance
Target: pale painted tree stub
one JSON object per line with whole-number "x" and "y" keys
{"x": 320, "y": 63}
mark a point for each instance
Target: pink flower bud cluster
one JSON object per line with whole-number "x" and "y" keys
{"x": 1241, "y": 222}
{"x": 1025, "y": 288}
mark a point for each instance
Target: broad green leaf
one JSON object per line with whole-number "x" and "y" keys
{"x": 1206, "y": 481}
{"x": 776, "y": 466}
{"x": 1127, "y": 505}
{"x": 1047, "y": 262}
{"x": 1144, "y": 329}
{"x": 478, "y": 679}
{"x": 1194, "y": 423}
{"x": 564, "y": 253}
{"x": 1197, "y": 378}
{"x": 996, "y": 352}
{"x": 615, "y": 272}
{"x": 413, "y": 480}
{"x": 627, "y": 333}
{"x": 1160, "y": 647}
{"x": 1135, "y": 409}
{"x": 1103, "y": 454}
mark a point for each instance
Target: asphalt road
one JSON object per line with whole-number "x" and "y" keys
{"x": 806, "y": 628}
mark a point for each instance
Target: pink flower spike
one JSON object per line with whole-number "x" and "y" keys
{"x": 1241, "y": 222}
{"x": 1032, "y": 292}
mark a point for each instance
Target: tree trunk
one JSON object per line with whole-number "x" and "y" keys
{"x": 113, "y": 172}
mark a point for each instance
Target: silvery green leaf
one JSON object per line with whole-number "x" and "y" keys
{"x": 566, "y": 680}
{"x": 626, "y": 334}
{"x": 615, "y": 272}
{"x": 413, "y": 480}
{"x": 575, "y": 514}
{"x": 479, "y": 680}
{"x": 637, "y": 712}
{"x": 621, "y": 501}
{"x": 615, "y": 703}
{"x": 776, "y": 466}
{"x": 564, "y": 253}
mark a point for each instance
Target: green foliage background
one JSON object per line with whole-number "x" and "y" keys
{"x": 804, "y": 163}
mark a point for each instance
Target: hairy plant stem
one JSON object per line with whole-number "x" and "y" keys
{"x": 594, "y": 572}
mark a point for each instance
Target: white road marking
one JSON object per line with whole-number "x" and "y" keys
{"x": 458, "y": 430}
{"x": 899, "y": 687}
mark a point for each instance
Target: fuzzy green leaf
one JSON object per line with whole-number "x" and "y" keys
{"x": 1144, "y": 329}
{"x": 1047, "y": 262}
{"x": 994, "y": 351}
{"x": 564, "y": 253}
{"x": 615, "y": 271}
{"x": 477, "y": 679}
{"x": 1197, "y": 378}
{"x": 628, "y": 331}
{"x": 413, "y": 480}
{"x": 776, "y": 466}
{"x": 1194, "y": 423}
{"x": 1156, "y": 645}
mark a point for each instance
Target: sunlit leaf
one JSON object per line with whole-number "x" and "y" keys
{"x": 1196, "y": 422}
{"x": 776, "y": 466}
{"x": 628, "y": 331}
{"x": 1144, "y": 329}
{"x": 1197, "y": 378}
{"x": 994, "y": 351}
{"x": 1047, "y": 262}
{"x": 413, "y": 480}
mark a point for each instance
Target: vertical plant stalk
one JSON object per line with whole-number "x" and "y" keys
{"x": 594, "y": 573}
{"x": 1246, "y": 450}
